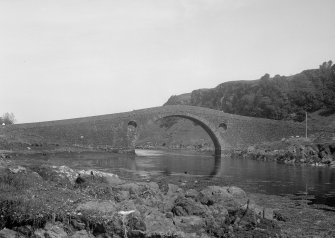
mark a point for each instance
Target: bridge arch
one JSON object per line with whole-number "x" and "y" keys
{"x": 212, "y": 130}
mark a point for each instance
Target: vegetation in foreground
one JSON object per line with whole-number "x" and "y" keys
{"x": 50, "y": 201}
{"x": 57, "y": 202}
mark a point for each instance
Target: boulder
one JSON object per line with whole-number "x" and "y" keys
{"x": 173, "y": 190}
{"x": 192, "y": 193}
{"x": 97, "y": 173}
{"x": 166, "y": 205}
{"x": 263, "y": 212}
{"x": 98, "y": 206}
{"x": 213, "y": 194}
{"x": 25, "y": 230}
{"x": 54, "y": 230}
{"x": 136, "y": 226}
{"x": 168, "y": 200}
{"x": 7, "y": 233}
{"x": 219, "y": 213}
{"x": 132, "y": 188}
{"x": 181, "y": 234}
{"x": 105, "y": 235}
{"x": 135, "y": 222}
{"x": 157, "y": 225}
{"x": 122, "y": 195}
{"x": 152, "y": 185}
{"x": 189, "y": 224}
{"x": 147, "y": 194}
{"x": 65, "y": 172}
{"x": 72, "y": 175}
{"x": 17, "y": 169}
{"x": 127, "y": 205}
{"x": 237, "y": 192}
{"x": 169, "y": 215}
{"x": 148, "y": 190}
{"x": 78, "y": 225}
{"x": 327, "y": 159}
{"x": 81, "y": 234}
{"x": 187, "y": 206}
{"x": 232, "y": 198}
{"x": 39, "y": 233}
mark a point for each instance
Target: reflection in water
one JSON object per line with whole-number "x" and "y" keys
{"x": 128, "y": 162}
{"x": 253, "y": 176}
{"x": 217, "y": 165}
{"x": 171, "y": 163}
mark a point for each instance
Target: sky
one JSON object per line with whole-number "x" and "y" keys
{"x": 73, "y": 58}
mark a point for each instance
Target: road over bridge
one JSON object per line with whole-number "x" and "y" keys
{"x": 121, "y": 130}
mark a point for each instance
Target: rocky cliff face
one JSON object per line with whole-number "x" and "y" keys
{"x": 182, "y": 99}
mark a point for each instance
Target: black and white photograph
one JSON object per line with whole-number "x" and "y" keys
{"x": 167, "y": 118}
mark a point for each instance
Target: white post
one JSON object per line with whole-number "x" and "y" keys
{"x": 306, "y": 123}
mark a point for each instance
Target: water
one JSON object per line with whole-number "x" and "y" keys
{"x": 253, "y": 176}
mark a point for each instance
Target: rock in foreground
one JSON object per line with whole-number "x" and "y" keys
{"x": 50, "y": 202}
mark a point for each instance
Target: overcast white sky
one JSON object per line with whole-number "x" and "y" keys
{"x": 72, "y": 58}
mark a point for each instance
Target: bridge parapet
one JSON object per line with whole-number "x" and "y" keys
{"x": 113, "y": 130}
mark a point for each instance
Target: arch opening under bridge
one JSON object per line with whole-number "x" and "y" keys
{"x": 212, "y": 130}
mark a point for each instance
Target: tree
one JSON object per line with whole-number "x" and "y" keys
{"x": 265, "y": 77}
{"x": 327, "y": 71}
{"x": 8, "y": 118}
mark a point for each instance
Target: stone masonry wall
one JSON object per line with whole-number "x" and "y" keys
{"x": 113, "y": 130}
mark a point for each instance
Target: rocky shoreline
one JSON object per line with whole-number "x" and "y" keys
{"x": 51, "y": 201}
{"x": 57, "y": 201}
{"x": 295, "y": 151}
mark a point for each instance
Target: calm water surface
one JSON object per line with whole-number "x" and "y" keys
{"x": 253, "y": 176}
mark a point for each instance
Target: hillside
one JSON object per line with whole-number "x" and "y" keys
{"x": 278, "y": 97}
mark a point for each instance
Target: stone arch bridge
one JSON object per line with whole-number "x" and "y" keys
{"x": 120, "y": 131}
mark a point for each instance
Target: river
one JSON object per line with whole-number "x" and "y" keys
{"x": 252, "y": 176}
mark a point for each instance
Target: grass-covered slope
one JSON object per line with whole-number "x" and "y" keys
{"x": 278, "y": 97}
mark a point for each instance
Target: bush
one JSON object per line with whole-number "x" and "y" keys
{"x": 8, "y": 118}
